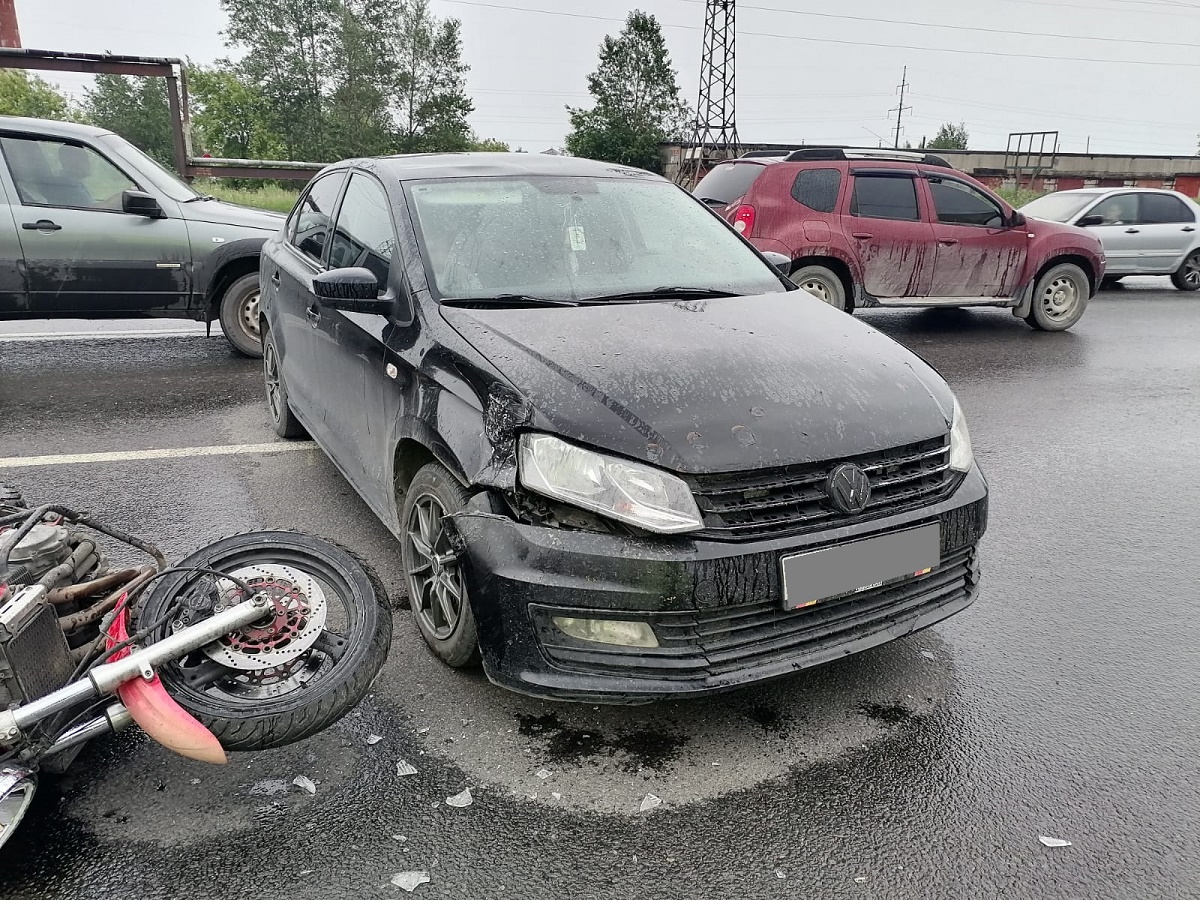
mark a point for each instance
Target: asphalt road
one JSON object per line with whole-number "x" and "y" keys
{"x": 1063, "y": 703}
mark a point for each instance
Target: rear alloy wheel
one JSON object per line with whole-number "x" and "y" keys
{"x": 437, "y": 586}
{"x": 1188, "y": 276}
{"x": 822, "y": 283}
{"x": 239, "y": 316}
{"x": 283, "y": 420}
{"x": 1059, "y": 298}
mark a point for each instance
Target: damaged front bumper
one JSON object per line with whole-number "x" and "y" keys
{"x": 715, "y": 607}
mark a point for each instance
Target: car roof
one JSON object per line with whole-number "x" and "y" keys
{"x": 51, "y": 127}
{"x": 420, "y": 166}
{"x": 1102, "y": 191}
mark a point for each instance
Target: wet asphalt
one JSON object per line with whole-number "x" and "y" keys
{"x": 1063, "y": 703}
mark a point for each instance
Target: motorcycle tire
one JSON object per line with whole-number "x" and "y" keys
{"x": 249, "y": 722}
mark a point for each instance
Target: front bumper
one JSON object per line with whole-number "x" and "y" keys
{"x": 715, "y": 606}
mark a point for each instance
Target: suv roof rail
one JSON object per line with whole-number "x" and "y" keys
{"x": 844, "y": 153}
{"x": 761, "y": 154}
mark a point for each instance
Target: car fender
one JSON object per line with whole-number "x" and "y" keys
{"x": 216, "y": 255}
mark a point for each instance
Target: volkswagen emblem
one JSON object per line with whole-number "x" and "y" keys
{"x": 849, "y": 488}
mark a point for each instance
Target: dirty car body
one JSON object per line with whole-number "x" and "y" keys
{"x": 91, "y": 227}
{"x": 650, "y": 428}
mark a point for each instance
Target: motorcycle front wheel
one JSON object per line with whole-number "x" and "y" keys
{"x": 288, "y": 678}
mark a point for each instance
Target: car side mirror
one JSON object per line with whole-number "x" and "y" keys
{"x": 1017, "y": 219}
{"x": 1088, "y": 221}
{"x": 139, "y": 203}
{"x": 352, "y": 289}
{"x": 780, "y": 261}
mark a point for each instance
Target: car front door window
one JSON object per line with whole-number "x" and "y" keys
{"x": 63, "y": 174}
{"x": 364, "y": 235}
{"x": 957, "y": 203}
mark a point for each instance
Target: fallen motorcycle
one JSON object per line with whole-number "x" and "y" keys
{"x": 256, "y": 641}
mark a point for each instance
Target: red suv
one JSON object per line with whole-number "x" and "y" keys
{"x": 893, "y": 228}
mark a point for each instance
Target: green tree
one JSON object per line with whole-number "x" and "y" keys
{"x": 22, "y": 94}
{"x": 950, "y": 137}
{"x": 488, "y": 145}
{"x": 362, "y": 72}
{"x": 135, "y": 108}
{"x": 287, "y": 45}
{"x": 637, "y": 104}
{"x": 432, "y": 109}
{"x": 230, "y": 117}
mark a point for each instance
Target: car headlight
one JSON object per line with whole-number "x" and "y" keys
{"x": 961, "y": 455}
{"x": 627, "y": 491}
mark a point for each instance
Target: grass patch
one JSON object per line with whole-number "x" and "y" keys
{"x": 267, "y": 196}
{"x": 1018, "y": 198}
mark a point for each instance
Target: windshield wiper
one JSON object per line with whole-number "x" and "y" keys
{"x": 712, "y": 201}
{"x": 509, "y": 300}
{"x": 661, "y": 293}
{"x": 199, "y": 197}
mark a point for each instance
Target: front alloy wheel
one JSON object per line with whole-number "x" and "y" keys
{"x": 437, "y": 585}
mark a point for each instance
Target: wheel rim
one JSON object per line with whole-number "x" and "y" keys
{"x": 1060, "y": 297}
{"x": 820, "y": 289}
{"x": 1191, "y": 271}
{"x": 274, "y": 386}
{"x": 17, "y": 787}
{"x": 292, "y": 580}
{"x": 435, "y": 579}
{"x": 248, "y": 314}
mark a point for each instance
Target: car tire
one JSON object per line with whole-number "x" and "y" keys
{"x": 1059, "y": 298}
{"x": 1188, "y": 276}
{"x": 239, "y": 316}
{"x": 283, "y": 420}
{"x": 822, "y": 283}
{"x": 431, "y": 573}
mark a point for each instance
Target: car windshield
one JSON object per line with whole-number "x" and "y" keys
{"x": 727, "y": 182}
{"x": 577, "y": 238}
{"x": 1059, "y": 207}
{"x": 164, "y": 179}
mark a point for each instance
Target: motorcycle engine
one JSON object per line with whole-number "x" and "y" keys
{"x": 38, "y": 552}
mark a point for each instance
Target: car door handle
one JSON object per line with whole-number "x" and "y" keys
{"x": 275, "y": 279}
{"x": 948, "y": 242}
{"x": 863, "y": 236}
{"x": 314, "y": 314}
{"x": 1188, "y": 228}
{"x": 1132, "y": 231}
{"x": 41, "y": 225}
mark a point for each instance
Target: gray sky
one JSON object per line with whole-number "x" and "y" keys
{"x": 1128, "y": 76}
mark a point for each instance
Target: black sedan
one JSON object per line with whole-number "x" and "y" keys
{"x": 623, "y": 455}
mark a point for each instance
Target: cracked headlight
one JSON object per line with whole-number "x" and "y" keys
{"x": 626, "y": 491}
{"x": 961, "y": 455}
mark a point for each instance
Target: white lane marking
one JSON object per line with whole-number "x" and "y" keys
{"x": 44, "y": 336}
{"x": 75, "y": 459}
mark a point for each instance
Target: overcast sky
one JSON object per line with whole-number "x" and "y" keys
{"x": 1125, "y": 73}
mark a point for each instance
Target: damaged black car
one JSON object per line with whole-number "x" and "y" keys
{"x": 623, "y": 455}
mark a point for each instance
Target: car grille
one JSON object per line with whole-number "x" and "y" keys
{"x": 707, "y": 642}
{"x": 790, "y": 500}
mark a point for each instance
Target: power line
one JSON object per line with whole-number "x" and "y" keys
{"x": 847, "y": 43}
{"x": 874, "y": 20}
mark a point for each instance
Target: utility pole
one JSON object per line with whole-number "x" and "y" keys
{"x": 714, "y": 136}
{"x": 901, "y": 109}
{"x": 10, "y": 34}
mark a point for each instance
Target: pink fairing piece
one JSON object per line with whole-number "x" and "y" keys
{"x": 156, "y": 713}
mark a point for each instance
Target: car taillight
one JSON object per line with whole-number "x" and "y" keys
{"x": 743, "y": 220}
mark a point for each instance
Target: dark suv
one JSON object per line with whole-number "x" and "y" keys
{"x": 623, "y": 455}
{"x": 893, "y": 228}
{"x": 96, "y": 228}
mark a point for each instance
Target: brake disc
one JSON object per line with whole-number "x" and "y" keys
{"x": 300, "y": 610}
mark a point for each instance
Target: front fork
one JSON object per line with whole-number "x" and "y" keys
{"x": 143, "y": 698}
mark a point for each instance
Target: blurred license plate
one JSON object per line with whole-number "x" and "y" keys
{"x": 809, "y": 578}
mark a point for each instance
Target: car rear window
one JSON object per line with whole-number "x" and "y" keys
{"x": 885, "y": 197}
{"x": 728, "y": 181}
{"x": 818, "y": 189}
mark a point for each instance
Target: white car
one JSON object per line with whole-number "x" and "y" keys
{"x": 1145, "y": 231}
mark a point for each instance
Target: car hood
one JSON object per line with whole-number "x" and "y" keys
{"x": 217, "y": 212}
{"x": 713, "y": 385}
